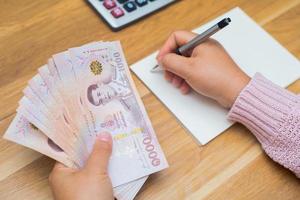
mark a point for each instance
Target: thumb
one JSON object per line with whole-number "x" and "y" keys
{"x": 176, "y": 64}
{"x": 99, "y": 158}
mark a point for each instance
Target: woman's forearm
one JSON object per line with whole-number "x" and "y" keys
{"x": 272, "y": 114}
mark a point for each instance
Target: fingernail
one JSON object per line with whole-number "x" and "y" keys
{"x": 175, "y": 83}
{"x": 183, "y": 92}
{"x": 159, "y": 58}
{"x": 105, "y": 137}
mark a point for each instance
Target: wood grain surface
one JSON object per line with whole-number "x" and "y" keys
{"x": 232, "y": 166}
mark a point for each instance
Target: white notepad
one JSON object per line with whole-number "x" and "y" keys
{"x": 252, "y": 48}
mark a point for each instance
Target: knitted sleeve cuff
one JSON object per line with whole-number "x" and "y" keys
{"x": 272, "y": 114}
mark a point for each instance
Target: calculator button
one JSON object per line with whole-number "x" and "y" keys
{"x": 117, "y": 12}
{"x": 122, "y": 1}
{"x": 109, "y": 4}
{"x": 129, "y": 6}
{"x": 141, "y": 2}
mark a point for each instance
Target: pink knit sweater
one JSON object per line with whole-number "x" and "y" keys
{"x": 272, "y": 114}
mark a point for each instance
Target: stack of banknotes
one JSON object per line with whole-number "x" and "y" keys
{"x": 78, "y": 94}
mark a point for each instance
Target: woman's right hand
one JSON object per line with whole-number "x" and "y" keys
{"x": 208, "y": 69}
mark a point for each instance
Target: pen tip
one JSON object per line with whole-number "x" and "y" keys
{"x": 154, "y": 68}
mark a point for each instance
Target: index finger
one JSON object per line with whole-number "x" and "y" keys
{"x": 175, "y": 40}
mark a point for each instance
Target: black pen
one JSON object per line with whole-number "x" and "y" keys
{"x": 199, "y": 39}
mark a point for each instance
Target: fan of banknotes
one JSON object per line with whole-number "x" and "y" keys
{"x": 78, "y": 94}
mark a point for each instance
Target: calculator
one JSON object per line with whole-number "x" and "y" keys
{"x": 120, "y": 13}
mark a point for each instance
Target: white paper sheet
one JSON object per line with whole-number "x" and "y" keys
{"x": 252, "y": 48}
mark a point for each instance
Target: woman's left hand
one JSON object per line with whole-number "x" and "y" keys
{"x": 90, "y": 183}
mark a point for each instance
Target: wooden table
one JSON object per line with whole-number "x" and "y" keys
{"x": 232, "y": 166}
